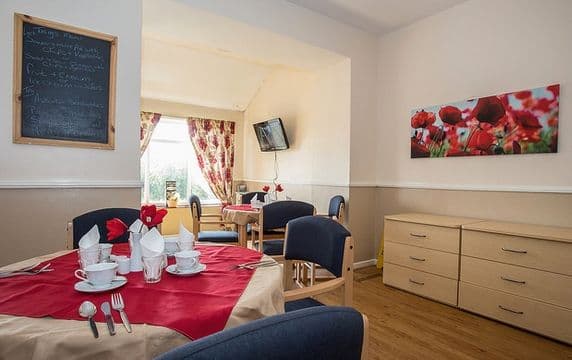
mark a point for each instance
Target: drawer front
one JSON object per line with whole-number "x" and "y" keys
{"x": 432, "y": 286}
{"x": 536, "y": 284}
{"x": 427, "y": 236}
{"x": 431, "y": 261}
{"x": 528, "y": 314}
{"x": 538, "y": 254}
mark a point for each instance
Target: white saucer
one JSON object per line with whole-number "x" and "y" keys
{"x": 84, "y": 286}
{"x": 172, "y": 269}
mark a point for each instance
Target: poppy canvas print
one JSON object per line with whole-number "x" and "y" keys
{"x": 521, "y": 122}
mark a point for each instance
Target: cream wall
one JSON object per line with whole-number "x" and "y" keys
{"x": 480, "y": 47}
{"x": 42, "y": 187}
{"x": 315, "y": 110}
{"x": 55, "y": 165}
{"x": 182, "y": 110}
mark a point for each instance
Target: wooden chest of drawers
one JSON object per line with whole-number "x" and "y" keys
{"x": 519, "y": 274}
{"x": 421, "y": 254}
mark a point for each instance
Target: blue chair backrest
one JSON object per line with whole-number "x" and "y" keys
{"x": 83, "y": 223}
{"x": 277, "y": 214}
{"x": 335, "y": 204}
{"x": 319, "y": 240}
{"x": 194, "y": 199}
{"x": 323, "y": 332}
{"x": 248, "y": 196}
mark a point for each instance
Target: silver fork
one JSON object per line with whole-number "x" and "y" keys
{"x": 118, "y": 304}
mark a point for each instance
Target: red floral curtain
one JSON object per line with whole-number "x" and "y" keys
{"x": 148, "y": 122}
{"x": 213, "y": 141}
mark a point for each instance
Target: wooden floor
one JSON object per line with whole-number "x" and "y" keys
{"x": 405, "y": 326}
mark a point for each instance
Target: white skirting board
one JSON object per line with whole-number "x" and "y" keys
{"x": 365, "y": 263}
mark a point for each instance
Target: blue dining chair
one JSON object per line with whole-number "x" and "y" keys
{"x": 246, "y": 198}
{"x": 199, "y": 219}
{"x": 274, "y": 217}
{"x": 83, "y": 223}
{"x": 329, "y": 333}
{"x": 336, "y": 208}
{"x": 321, "y": 241}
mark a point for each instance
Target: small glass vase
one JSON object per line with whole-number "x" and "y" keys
{"x": 135, "y": 263}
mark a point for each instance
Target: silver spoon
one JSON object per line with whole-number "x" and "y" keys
{"x": 87, "y": 309}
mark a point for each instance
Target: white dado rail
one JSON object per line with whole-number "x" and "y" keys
{"x": 68, "y": 184}
{"x": 519, "y": 274}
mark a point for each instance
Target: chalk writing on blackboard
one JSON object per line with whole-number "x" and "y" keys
{"x": 65, "y": 84}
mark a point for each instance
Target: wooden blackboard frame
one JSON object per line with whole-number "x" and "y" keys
{"x": 19, "y": 20}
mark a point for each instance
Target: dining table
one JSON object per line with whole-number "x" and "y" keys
{"x": 163, "y": 315}
{"x": 241, "y": 215}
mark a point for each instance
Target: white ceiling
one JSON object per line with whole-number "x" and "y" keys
{"x": 377, "y": 16}
{"x": 199, "y": 58}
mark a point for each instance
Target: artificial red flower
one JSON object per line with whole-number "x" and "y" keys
{"x": 526, "y": 119}
{"x": 422, "y": 119}
{"x": 151, "y": 216}
{"x": 481, "y": 140}
{"x": 489, "y": 109}
{"x": 554, "y": 89}
{"x": 115, "y": 228}
{"x": 436, "y": 133}
{"x": 265, "y": 188}
{"x": 521, "y": 95}
{"x": 279, "y": 188}
{"x": 419, "y": 150}
{"x": 450, "y": 115}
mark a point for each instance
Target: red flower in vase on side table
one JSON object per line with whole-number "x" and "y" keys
{"x": 265, "y": 188}
{"x": 279, "y": 188}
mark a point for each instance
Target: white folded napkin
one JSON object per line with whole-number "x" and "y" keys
{"x": 185, "y": 235}
{"x": 138, "y": 227}
{"x": 152, "y": 243}
{"x": 90, "y": 239}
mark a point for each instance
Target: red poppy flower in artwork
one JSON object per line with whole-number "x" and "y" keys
{"x": 481, "y": 140}
{"x": 450, "y": 115}
{"x": 489, "y": 109}
{"x": 526, "y": 119}
{"x": 419, "y": 150}
{"x": 279, "y": 188}
{"x": 115, "y": 228}
{"x": 151, "y": 216}
{"x": 422, "y": 119}
{"x": 265, "y": 188}
{"x": 543, "y": 105}
{"x": 554, "y": 89}
{"x": 436, "y": 133}
{"x": 521, "y": 95}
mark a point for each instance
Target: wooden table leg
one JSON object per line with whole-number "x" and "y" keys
{"x": 242, "y": 240}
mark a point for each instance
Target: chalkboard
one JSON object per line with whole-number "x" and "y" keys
{"x": 64, "y": 84}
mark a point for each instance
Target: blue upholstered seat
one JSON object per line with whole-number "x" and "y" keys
{"x": 276, "y": 215}
{"x": 272, "y": 247}
{"x": 301, "y": 304}
{"x": 332, "y": 333}
{"x": 218, "y": 236}
{"x": 83, "y": 223}
{"x": 318, "y": 240}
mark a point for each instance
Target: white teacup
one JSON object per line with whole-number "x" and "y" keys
{"x": 187, "y": 260}
{"x": 185, "y": 245}
{"x": 98, "y": 275}
{"x": 171, "y": 245}
{"x": 89, "y": 256}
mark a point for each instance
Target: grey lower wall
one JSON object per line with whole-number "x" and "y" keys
{"x": 33, "y": 221}
{"x": 521, "y": 207}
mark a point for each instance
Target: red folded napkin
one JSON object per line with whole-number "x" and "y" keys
{"x": 195, "y": 306}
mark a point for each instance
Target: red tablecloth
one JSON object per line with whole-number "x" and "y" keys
{"x": 195, "y": 306}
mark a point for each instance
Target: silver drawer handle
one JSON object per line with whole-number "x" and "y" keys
{"x": 416, "y": 282}
{"x": 514, "y": 251}
{"x": 510, "y": 310}
{"x": 512, "y": 280}
{"x": 418, "y": 235}
{"x": 416, "y": 258}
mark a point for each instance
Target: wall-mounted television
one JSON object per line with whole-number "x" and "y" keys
{"x": 271, "y": 135}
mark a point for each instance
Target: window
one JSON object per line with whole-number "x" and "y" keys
{"x": 170, "y": 156}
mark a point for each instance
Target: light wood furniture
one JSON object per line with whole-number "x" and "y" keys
{"x": 421, "y": 254}
{"x": 520, "y": 274}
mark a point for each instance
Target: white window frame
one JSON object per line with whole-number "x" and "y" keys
{"x": 146, "y": 171}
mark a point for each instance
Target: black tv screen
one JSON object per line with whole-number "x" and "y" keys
{"x": 271, "y": 135}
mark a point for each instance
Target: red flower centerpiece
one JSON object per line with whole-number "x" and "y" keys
{"x": 149, "y": 215}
